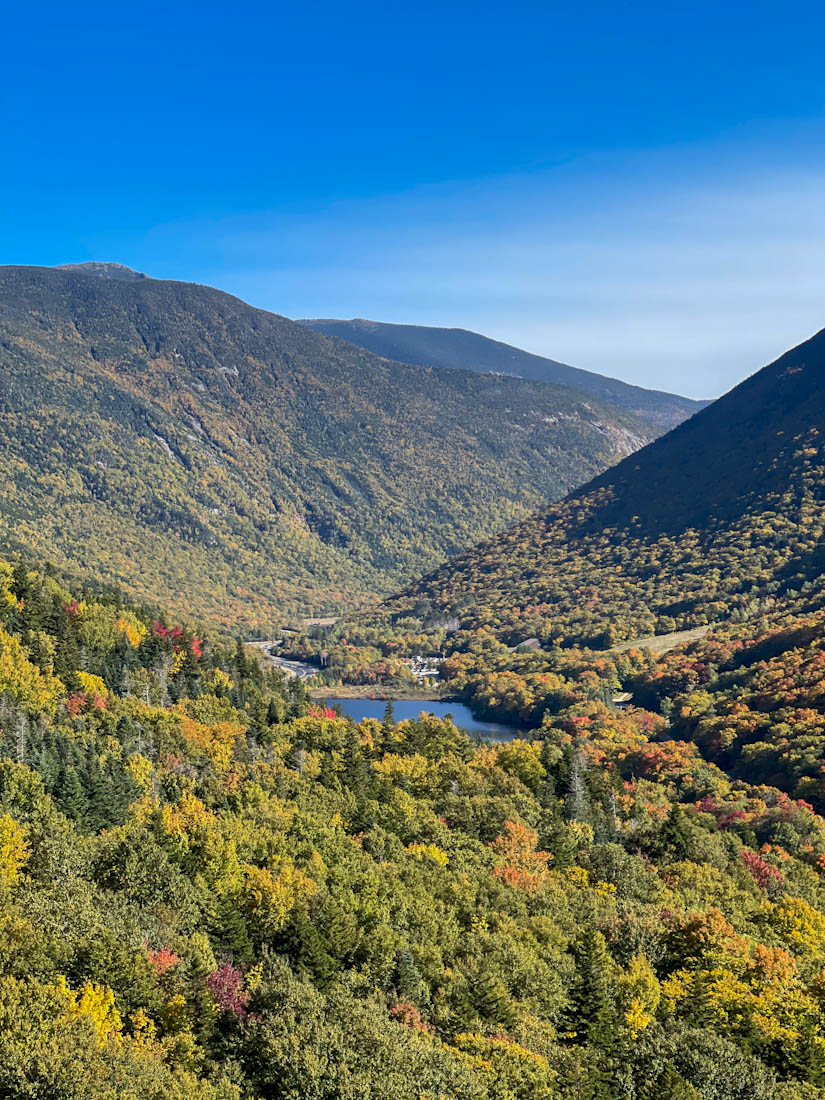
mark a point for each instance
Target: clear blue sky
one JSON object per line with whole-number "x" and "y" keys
{"x": 634, "y": 188}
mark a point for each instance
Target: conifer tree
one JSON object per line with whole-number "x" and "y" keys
{"x": 71, "y": 797}
{"x": 668, "y": 1085}
{"x": 590, "y": 1001}
{"x": 388, "y": 722}
{"x": 408, "y": 981}
{"x": 577, "y": 802}
{"x": 491, "y": 999}
{"x": 676, "y": 834}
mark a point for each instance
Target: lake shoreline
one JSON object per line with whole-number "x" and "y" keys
{"x": 370, "y": 691}
{"x": 363, "y": 706}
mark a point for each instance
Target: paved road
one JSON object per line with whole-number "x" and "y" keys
{"x": 299, "y": 669}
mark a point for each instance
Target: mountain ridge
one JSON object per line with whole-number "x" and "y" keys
{"x": 459, "y": 348}
{"x": 718, "y": 517}
{"x": 104, "y": 270}
{"x": 158, "y": 433}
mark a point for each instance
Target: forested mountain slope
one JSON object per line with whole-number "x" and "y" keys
{"x": 171, "y": 439}
{"x": 213, "y": 889}
{"x": 717, "y": 519}
{"x": 457, "y": 348}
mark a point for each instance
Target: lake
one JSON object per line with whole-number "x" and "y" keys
{"x": 357, "y": 709}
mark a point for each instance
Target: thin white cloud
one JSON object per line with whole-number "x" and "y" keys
{"x": 638, "y": 269}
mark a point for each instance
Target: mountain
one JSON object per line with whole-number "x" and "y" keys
{"x": 104, "y": 271}
{"x": 268, "y": 899}
{"x": 457, "y": 348}
{"x": 171, "y": 439}
{"x": 721, "y": 518}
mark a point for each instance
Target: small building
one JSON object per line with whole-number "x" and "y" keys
{"x": 622, "y": 700}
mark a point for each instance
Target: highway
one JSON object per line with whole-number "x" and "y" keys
{"x": 299, "y": 669}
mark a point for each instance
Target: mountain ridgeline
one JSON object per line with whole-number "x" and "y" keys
{"x": 215, "y": 887}
{"x": 458, "y": 349}
{"x": 169, "y": 438}
{"x": 718, "y": 519}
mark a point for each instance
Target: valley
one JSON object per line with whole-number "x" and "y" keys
{"x": 412, "y": 552}
{"x": 545, "y": 820}
{"x": 172, "y": 441}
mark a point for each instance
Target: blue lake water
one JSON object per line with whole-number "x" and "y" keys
{"x": 357, "y": 709}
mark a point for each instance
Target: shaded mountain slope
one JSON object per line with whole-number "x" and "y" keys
{"x": 171, "y": 439}
{"x": 459, "y": 349}
{"x": 720, "y": 518}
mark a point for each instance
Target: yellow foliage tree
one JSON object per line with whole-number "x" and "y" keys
{"x": 217, "y": 741}
{"x": 22, "y": 682}
{"x": 638, "y": 994}
{"x": 94, "y": 1002}
{"x": 268, "y": 899}
{"x": 14, "y": 850}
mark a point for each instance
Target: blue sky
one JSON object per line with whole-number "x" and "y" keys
{"x": 636, "y": 189}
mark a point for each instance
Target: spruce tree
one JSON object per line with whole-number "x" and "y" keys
{"x": 71, "y": 797}
{"x": 590, "y": 1002}
{"x": 669, "y": 1084}
{"x": 491, "y": 999}
{"x": 560, "y": 842}
{"x": 307, "y": 946}
{"x": 675, "y": 840}
{"x": 407, "y": 979}
{"x": 577, "y": 803}
{"x": 229, "y": 932}
{"x": 388, "y": 722}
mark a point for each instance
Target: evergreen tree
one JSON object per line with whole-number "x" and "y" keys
{"x": 590, "y": 1001}
{"x": 668, "y": 1085}
{"x": 699, "y": 1005}
{"x": 675, "y": 838}
{"x": 229, "y": 931}
{"x": 307, "y": 946}
{"x": 356, "y": 773}
{"x": 463, "y": 1016}
{"x": 558, "y": 839}
{"x": 71, "y": 797}
{"x": 577, "y": 802}
{"x": 407, "y": 978}
{"x": 388, "y": 722}
{"x": 491, "y": 1000}
{"x": 98, "y": 789}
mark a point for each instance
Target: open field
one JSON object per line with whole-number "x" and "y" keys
{"x": 662, "y": 643}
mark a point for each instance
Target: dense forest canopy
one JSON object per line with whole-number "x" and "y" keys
{"x": 721, "y": 517}
{"x": 173, "y": 440}
{"x": 211, "y": 886}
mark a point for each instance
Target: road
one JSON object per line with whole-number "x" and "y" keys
{"x": 299, "y": 669}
